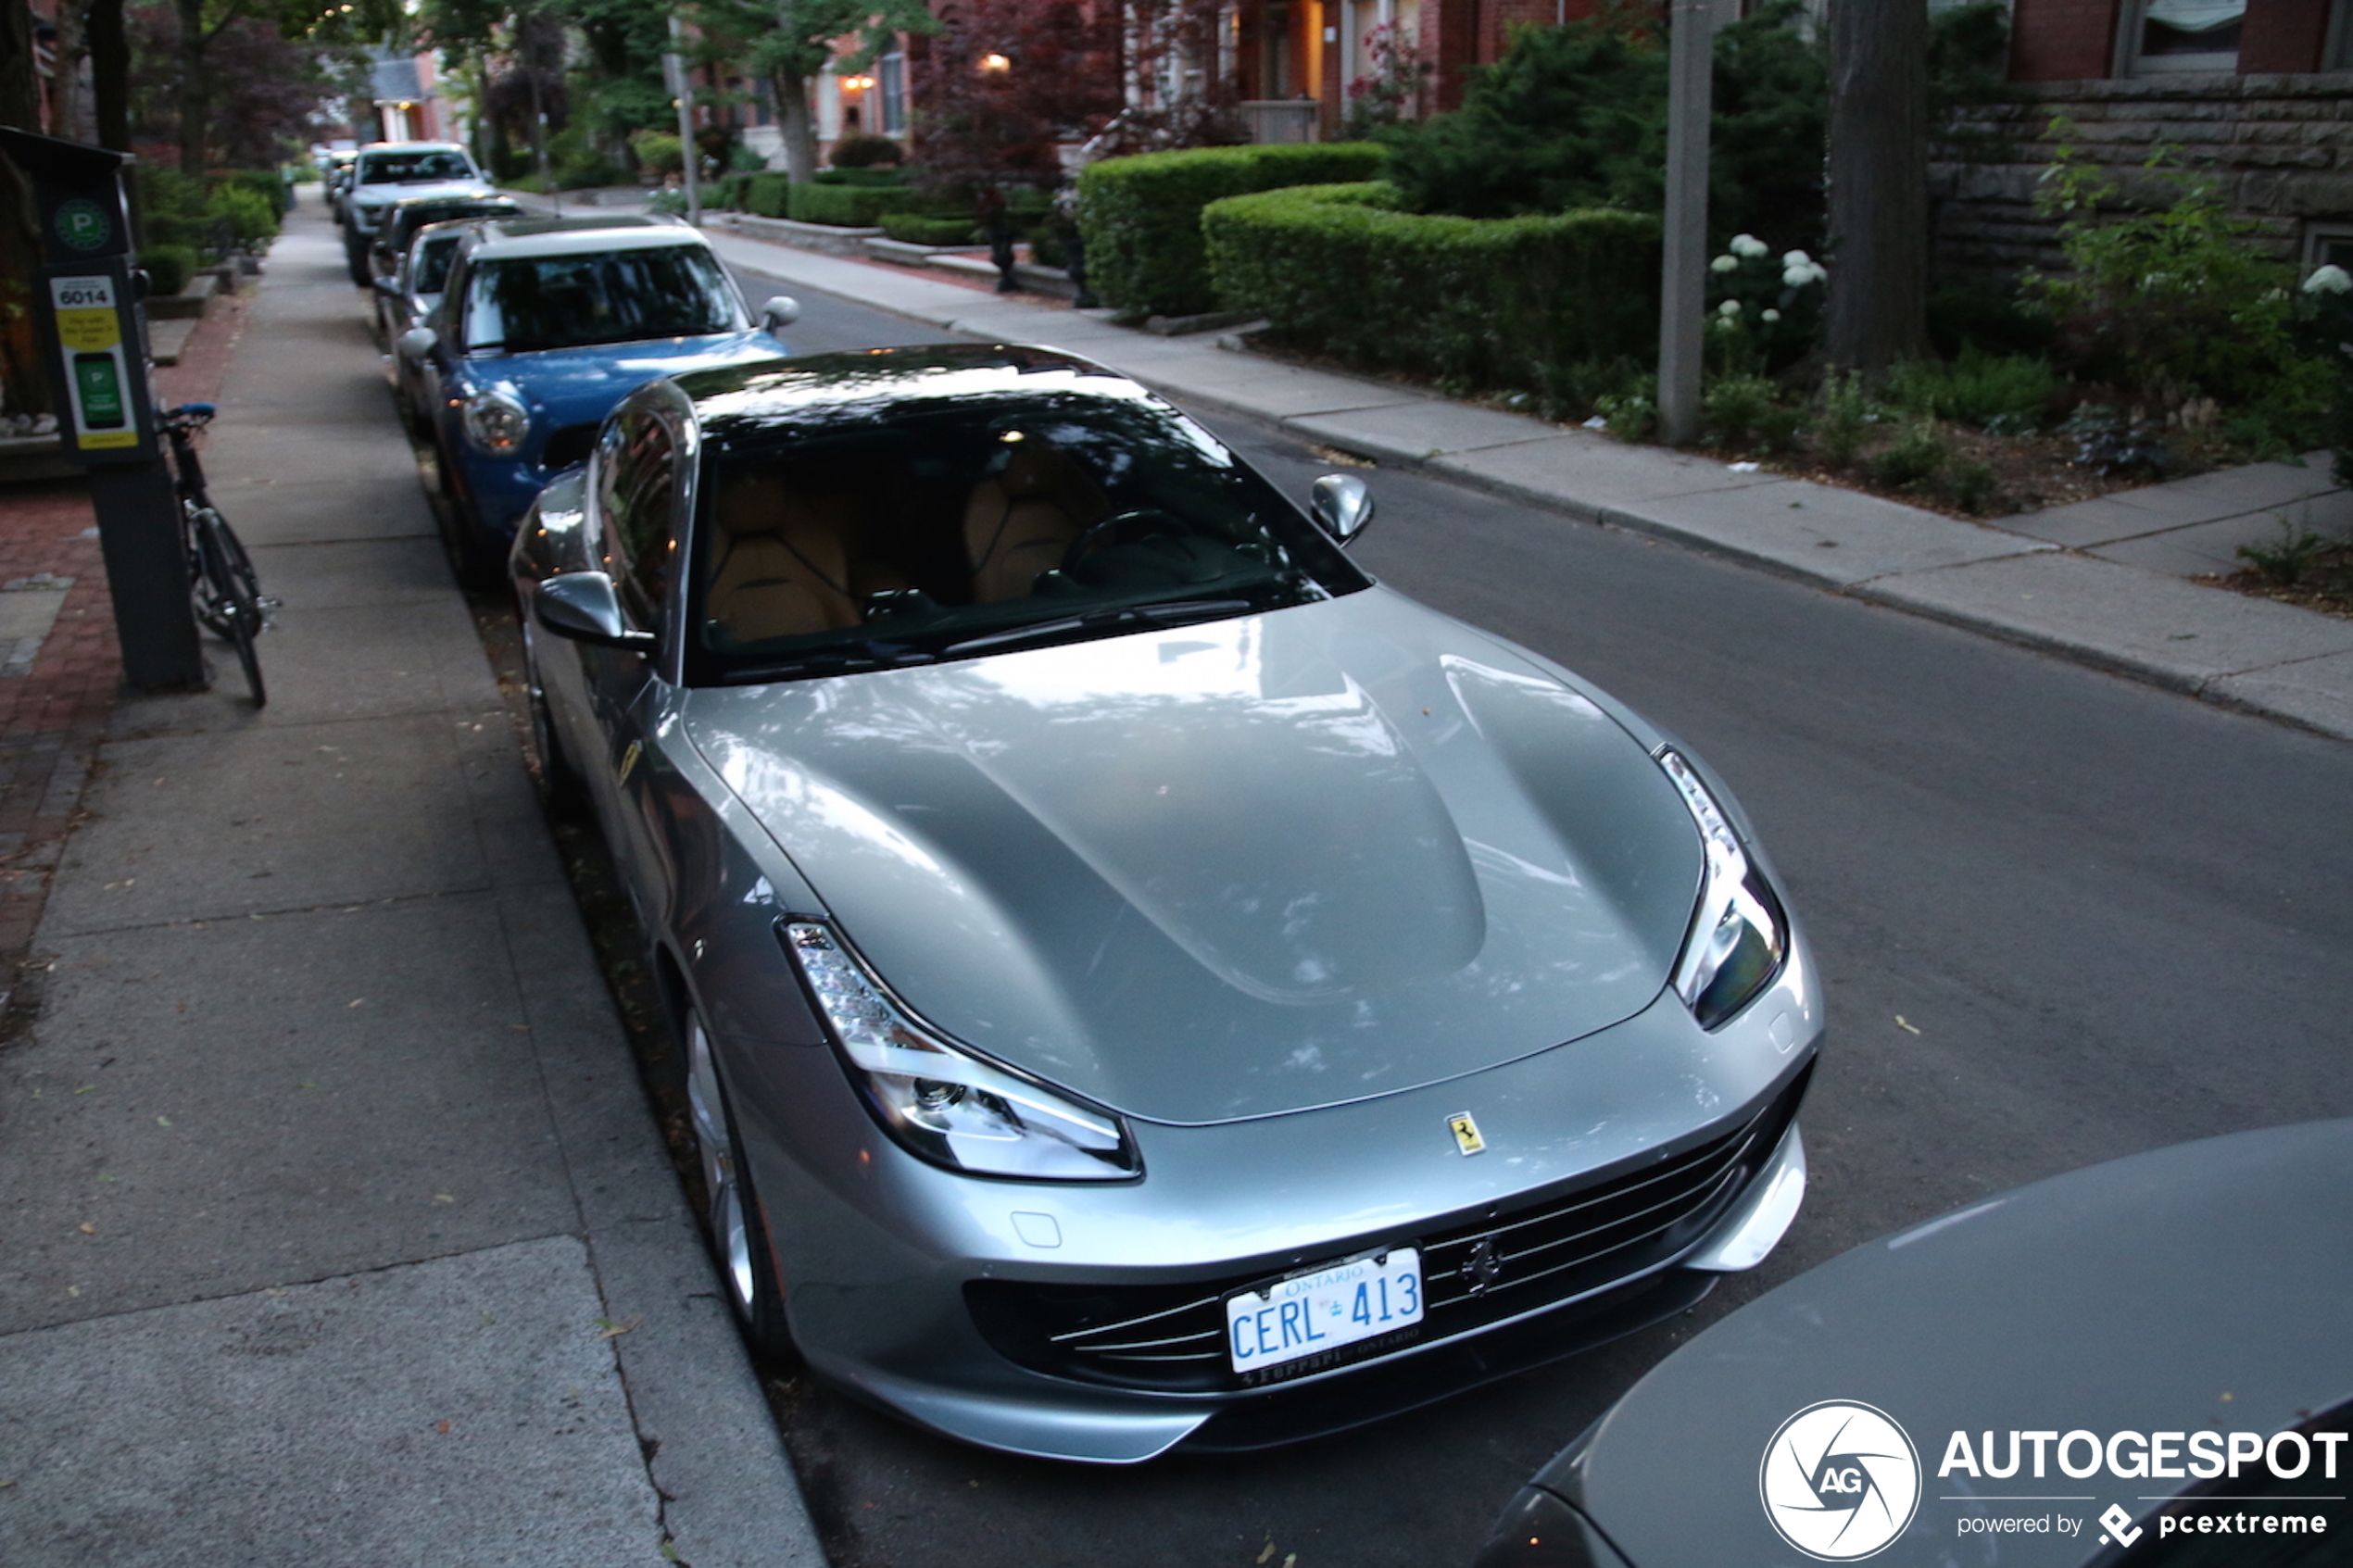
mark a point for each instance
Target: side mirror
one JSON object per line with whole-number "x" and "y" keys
{"x": 1341, "y": 505}
{"x": 781, "y": 311}
{"x": 582, "y": 607}
{"x": 416, "y": 342}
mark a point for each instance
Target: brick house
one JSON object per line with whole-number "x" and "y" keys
{"x": 2257, "y": 92}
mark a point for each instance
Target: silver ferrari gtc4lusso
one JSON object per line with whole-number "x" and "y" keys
{"x": 1143, "y": 982}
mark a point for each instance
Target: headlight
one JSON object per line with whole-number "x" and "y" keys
{"x": 1739, "y": 935}
{"x": 943, "y": 1104}
{"x": 496, "y": 422}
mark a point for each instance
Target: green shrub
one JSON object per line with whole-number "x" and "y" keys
{"x": 1972, "y": 486}
{"x": 1470, "y": 301}
{"x": 1919, "y": 454}
{"x": 2010, "y": 392}
{"x": 1845, "y": 418}
{"x": 865, "y": 152}
{"x": 657, "y": 152}
{"x": 168, "y": 267}
{"x": 1575, "y": 116}
{"x": 251, "y": 216}
{"x": 172, "y": 207}
{"x": 728, "y": 192}
{"x": 1739, "y": 412}
{"x": 916, "y": 229}
{"x": 1141, "y": 216}
{"x": 846, "y": 206}
{"x": 268, "y": 184}
{"x": 766, "y": 194}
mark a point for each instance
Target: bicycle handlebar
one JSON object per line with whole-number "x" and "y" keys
{"x": 190, "y": 413}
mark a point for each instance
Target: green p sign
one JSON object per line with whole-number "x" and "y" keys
{"x": 83, "y": 225}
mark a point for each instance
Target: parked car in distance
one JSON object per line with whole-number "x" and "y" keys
{"x": 404, "y": 218}
{"x": 404, "y": 301}
{"x": 2100, "y": 1368}
{"x": 390, "y": 171}
{"x": 1141, "y": 982}
{"x": 544, "y": 324}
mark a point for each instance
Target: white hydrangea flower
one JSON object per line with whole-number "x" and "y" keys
{"x": 1749, "y": 246}
{"x": 2331, "y": 279}
{"x": 1724, "y": 263}
{"x": 1796, "y": 258}
{"x": 1728, "y": 309}
{"x": 1771, "y": 314}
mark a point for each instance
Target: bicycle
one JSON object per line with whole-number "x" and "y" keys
{"x": 222, "y": 587}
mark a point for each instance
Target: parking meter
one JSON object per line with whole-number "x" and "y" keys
{"x": 93, "y": 333}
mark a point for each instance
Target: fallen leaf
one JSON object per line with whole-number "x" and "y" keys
{"x": 73, "y": 1290}
{"x": 488, "y": 1320}
{"x": 1268, "y": 1555}
{"x": 441, "y": 1426}
{"x": 669, "y": 1548}
{"x": 163, "y": 1120}
{"x": 1905, "y": 1026}
{"x": 354, "y": 1002}
{"x": 273, "y": 1290}
{"x": 612, "y": 1330}
{"x": 443, "y": 1197}
{"x": 108, "y": 1176}
{"x": 85, "y": 1088}
{"x": 87, "y": 1228}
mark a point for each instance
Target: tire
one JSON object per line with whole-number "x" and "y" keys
{"x": 355, "y": 255}
{"x": 562, "y": 789}
{"x": 731, "y": 1211}
{"x": 226, "y": 594}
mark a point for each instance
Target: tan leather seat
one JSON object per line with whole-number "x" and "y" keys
{"x": 784, "y": 567}
{"x": 1020, "y": 521}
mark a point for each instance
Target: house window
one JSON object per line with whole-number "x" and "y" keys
{"x": 2328, "y": 246}
{"x": 891, "y": 82}
{"x": 2337, "y": 51}
{"x": 2184, "y": 35}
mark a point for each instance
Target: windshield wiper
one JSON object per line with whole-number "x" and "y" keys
{"x": 1167, "y": 612}
{"x": 840, "y": 660}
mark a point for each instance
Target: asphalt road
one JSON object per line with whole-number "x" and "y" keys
{"x": 2062, "y": 917}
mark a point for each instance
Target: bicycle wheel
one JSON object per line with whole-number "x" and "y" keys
{"x": 225, "y": 591}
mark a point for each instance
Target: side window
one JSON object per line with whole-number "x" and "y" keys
{"x": 636, "y": 484}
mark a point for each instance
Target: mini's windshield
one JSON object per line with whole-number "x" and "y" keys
{"x": 388, "y": 168}
{"x": 986, "y": 527}
{"x": 521, "y": 306}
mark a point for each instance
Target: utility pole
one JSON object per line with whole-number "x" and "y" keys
{"x": 682, "y": 90}
{"x": 1682, "y": 296}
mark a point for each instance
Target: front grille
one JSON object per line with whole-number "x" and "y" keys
{"x": 1478, "y": 1269}
{"x": 568, "y": 444}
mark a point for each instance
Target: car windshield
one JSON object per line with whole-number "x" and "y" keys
{"x": 986, "y": 527}
{"x": 521, "y": 306}
{"x": 387, "y": 169}
{"x": 431, "y": 269}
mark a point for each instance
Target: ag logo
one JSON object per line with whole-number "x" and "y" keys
{"x": 1840, "y": 1480}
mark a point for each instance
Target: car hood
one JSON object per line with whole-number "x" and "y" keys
{"x": 1231, "y": 870}
{"x": 2197, "y": 1286}
{"x": 566, "y": 386}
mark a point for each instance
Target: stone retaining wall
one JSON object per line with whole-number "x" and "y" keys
{"x": 2280, "y": 146}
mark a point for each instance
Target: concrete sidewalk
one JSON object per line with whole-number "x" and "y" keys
{"x": 334, "y": 1229}
{"x": 2102, "y": 582}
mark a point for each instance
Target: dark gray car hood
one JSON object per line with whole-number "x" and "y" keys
{"x": 2200, "y": 1286}
{"x": 1231, "y": 870}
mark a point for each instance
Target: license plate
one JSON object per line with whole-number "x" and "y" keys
{"x": 1311, "y": 1313}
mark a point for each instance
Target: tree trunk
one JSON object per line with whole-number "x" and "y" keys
{"x": 110, "y": 74}
{"x": 65, "y": 75}
{"x": 1877, "y": 306}
{"x": 798, "y": 126}
{"x": 195, "y": 90}
{"x": 24, "y": 384}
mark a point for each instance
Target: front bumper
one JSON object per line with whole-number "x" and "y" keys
{"x": 887, "y": 1260}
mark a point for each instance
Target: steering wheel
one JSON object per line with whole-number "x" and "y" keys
{"x": 1121, "y": 528}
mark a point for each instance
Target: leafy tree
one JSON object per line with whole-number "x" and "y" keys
{"x": 1005, "y": 80}
{"x": 790, "y": 41}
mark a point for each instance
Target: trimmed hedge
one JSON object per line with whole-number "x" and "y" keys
{"x": 168, "y": 267}
{"x": 1490, "y": 301}
{"x": 916, "y": 229}
{"x": 846, "y": 207}
{"x": 730, "y": 190}
{"x": 1141, "y": 216}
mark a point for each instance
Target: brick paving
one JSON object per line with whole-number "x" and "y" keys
{"x": 53, "y": 716}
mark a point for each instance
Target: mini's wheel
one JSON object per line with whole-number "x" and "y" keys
{"x": 731, "y": 1208}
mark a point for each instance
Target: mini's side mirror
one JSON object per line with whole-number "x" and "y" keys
{"x": 1341, "y": 504}
{"x": 416, "y": 342}
{"x": 781, "y": 311}
{"x": 582, "y": 607}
